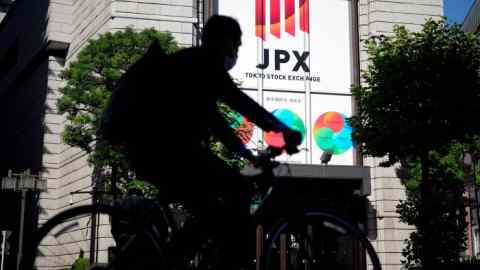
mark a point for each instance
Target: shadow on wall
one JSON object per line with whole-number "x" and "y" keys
{"x": 23, "y": 85}
{"x": 23, "y": 92}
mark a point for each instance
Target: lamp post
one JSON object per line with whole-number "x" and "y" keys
{"x": 5, "y": 246}
{"x": 93, "y": 231}
{"x": 23, "y": 182}
{"x": 470, "y": 160}
{"x": 475, "y": 190}
{"x": 4, "y": 236}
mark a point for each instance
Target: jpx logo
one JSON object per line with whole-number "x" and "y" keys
{"x": 282, "y": 56}
{"x": 289, "y": 22}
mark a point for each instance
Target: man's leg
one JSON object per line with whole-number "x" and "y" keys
{"x": 219, "y": 198}
{"x": 232, "y": 217}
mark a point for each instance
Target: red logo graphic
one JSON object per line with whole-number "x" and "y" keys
{"x": 260, "y": 22}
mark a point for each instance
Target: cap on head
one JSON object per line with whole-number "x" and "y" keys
{"x": 220, "y": 27}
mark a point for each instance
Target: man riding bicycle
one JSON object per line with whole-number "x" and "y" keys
{"x": 194, "y": 81}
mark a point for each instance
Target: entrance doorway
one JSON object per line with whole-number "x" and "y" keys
{"x": 332, "y": 247}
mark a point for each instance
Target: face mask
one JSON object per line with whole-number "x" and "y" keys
{"x": 229, "y": 62}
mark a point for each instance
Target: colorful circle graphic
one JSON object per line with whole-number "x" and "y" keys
{"x": 243, "y": 127}
{"x": 332, "y": 132}
{"x": 290, "y": 119}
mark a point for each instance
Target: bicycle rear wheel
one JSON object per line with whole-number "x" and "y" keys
{"x": 57, "y": 243}
{"x": 317, "y": 240}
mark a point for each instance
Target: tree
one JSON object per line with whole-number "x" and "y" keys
{"x": 448, "y": 211}
{"x": 90, "y": 81}
{"x": 421, "y": 93}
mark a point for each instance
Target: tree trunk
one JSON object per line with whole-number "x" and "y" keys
{"x": 425, "y": 228}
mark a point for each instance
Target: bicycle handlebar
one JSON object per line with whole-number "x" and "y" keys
{"x": 265, "y": 157}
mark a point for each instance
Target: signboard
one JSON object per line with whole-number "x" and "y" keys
{"x": 294, "y": 52}
{"x": 290, "y": 109}
{"x": 292, "y": 44}
{"x": 330, "y": 130}
{"x": 326, "y": 128}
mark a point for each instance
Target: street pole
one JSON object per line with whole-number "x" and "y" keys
{"x": 23, "y": 182}
{"x": 93, "y": 231}
{"x": 355, "y": 66}
{"x": 4, "y": 240}
{"x": 20, "y": 234}
{"x": 477, "y": 207}
{"x": 471, "y": 161}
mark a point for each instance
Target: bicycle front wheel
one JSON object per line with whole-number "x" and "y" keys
{"x": 317, "y": 240}
{"x": 57, "y": 244}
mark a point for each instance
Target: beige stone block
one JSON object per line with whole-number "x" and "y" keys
{"x": 377, "y": 28}
{"x": 392, "y": 234}
{"x": 392, "y": 266}
{"x": 363, "y": 20}
{"x": 389, "y": 206}
{"x": 56, "y": 16}
{"x": 73, "y": 172}
{"x": 50, "y": 159}
{"x": 386, "y": 183}
{"x": 364, "y": 30}
{"x": 121, "y": 6}
{"x": 407, "y": 8}
{"x": 106, "y": 238}
{"x": 417, "y": 2}
{"x": 47, "y": 203}
{"x": 394, "y": 194}
{"x": 363, "y": 8}
{"x": 382, "y": 172}
{"x": 394, "y": 246}
{"x": 53, "y": 128}
{"x": 51, "y": 138}
{"x": 51, "y": 172}
{"x": 398, "y": 18}
{"x": 146, "y": 8}
{"x": 391, "y": 258}
{"x": 81, "y": 177}
{"x": 51, "y": 105}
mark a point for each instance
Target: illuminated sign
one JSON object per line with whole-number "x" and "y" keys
{"x": 296, "y": 55}
{"x": 292, "y": 45}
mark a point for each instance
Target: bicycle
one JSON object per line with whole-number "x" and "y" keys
{"x": 293, "y": 235}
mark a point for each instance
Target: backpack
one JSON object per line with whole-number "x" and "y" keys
{"x": 133, "y": 94}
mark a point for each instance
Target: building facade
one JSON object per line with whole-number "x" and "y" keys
{"x": 39, "y": 38}
{"x": 471, "y": 24}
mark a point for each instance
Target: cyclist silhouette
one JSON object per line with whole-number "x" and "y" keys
{"x": 178, "y": 117}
